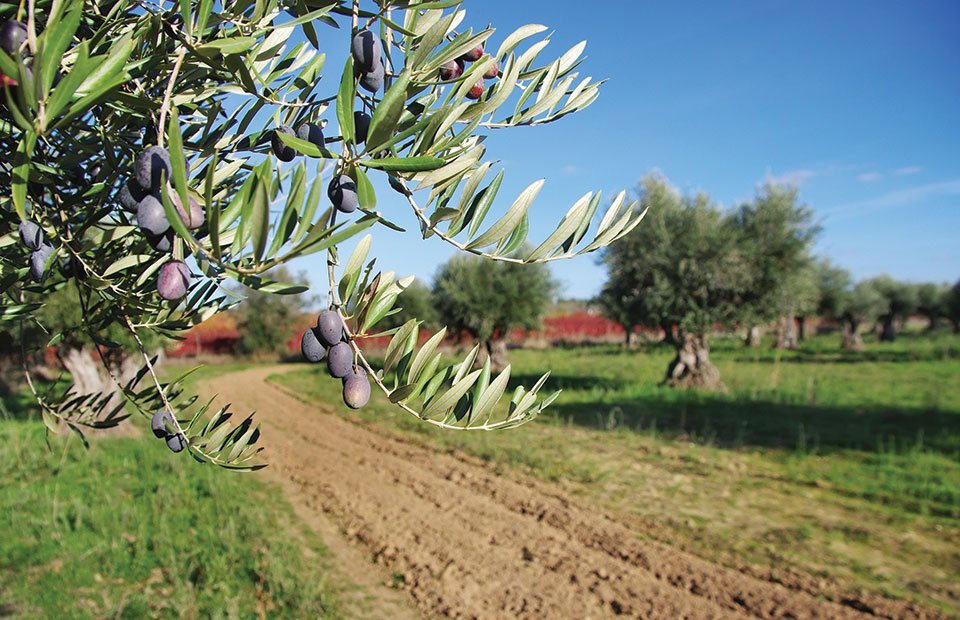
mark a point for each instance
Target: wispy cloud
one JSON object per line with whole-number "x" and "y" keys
{"x": 901, "y": 198}
{"x": 869, "y": 177}
{"x": 907, "y": 171}
{"x": 570, "y": 169}
{"x": 790, "y": 177}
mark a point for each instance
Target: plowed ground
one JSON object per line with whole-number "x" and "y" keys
{"x": 465, "y": 541}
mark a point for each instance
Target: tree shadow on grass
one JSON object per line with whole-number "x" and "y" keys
{"x": 723, "y": 420}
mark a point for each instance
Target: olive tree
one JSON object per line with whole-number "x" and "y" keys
{"x": 265, "y": 320}
{"x": 685, "y": 266}
{"x": 156, "y": 154}
{"x": 487, "y": 299}
{"x": 931, "y": 302}
{"x": 776, "y": 231}
{"x": 951, "y": 306}
{"x": 861, "y": 304}
{"x": 901, "y": 300}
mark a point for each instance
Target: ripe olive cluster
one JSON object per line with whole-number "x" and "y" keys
{"x": 12, "y": 36}
{"x": 161, "y": 423}
{"x": 453, "y": 69}
{"x": 329, "y": 341}
{"x": 140, "y": 196}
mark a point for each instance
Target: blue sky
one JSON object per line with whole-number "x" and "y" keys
{"x": 857, "y": 102}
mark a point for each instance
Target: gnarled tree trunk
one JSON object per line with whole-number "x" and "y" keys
{"x": 628, "y": 337}
{"x": 888, "y": 329}
{"x": 753, "y": 336}
{"x": 852, "y": 341}
{"x": 692, "y": 367}
{"x": 496, "y": 350}
{"x": 669, "y": 337}
{"x": 801, "y": 328}
{"x": 786, "y": 333}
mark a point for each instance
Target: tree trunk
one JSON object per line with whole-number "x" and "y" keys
{"x": 801, "y": 328}
{"x": 692, "y": 367}
{"x": 84, "y": 370}
{"x": 888, "y": 330}
{"x": 786, "y": 333}
{"x": 668, "y": 336}
{"x": 753, "y": 336}
{"x": 852, "y": 341}
{"x": 496, "y": 350}
{"x": 628, "y": 337}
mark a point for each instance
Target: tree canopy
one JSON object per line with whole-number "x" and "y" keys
{"x": 157, "y": 156}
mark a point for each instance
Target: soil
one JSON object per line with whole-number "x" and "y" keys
{"x": 465, "y": 540}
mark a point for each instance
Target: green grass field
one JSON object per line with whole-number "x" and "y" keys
{"x": 842, "y": 465}
{"x": 128, "y": 530}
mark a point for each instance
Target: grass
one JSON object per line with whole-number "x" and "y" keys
{"x": 842, "y": 465}
{"x": 128, "y": 530}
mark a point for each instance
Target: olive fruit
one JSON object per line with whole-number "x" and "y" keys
{"x": 161, "y": 243}
{"x": 356, "y": 390}
{"x": 151, "y": 217}
{"x": 312, "y": 133}
{"x": 474, "y": 54}
{"x": 451, "y": 70}
{"x": 12, "y": 35}
{"x": 194, "y": 217}
{"x": 159, "y": 422}
{"x": 152, "y": 167}
{"x": 310, "y": 346}
{"x": 38, "y": 262}
{"x": 283, "y": 151}
{"x": 372, "y": 80}
{"x": 31, "y": 235}
{"x": 367, "y": 50}
{"x": 177, "y": 442}
{"x": 476, "y": 91}
{"x": 173, "y": 280}
{"x": 361, "y": 124}
{"x": 340, "y": 360}
{"x": 130, "y": 195}
{"x": 329, "y": 328}
{"x": 343, "y": 194}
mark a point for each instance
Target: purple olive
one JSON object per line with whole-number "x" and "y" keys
{"x": 367, "y": 51}
{"x": 12, "y": 36}
{"x": 152, "y": 167}
{"x": 340, "y": 360}
{"x": 130, "y": 195}
{"x": 281, "y": 150}
{"x": 173, "y": 280}
{"x": 356, "y": 390}
{"x": 31, "y": 235}
{"x": 177, "y": 442}
{"x": 161, "y": 423}
{"x": 311, "y": 347}
{"x": 342, "y": 192}
{"x": 151, "y": 217}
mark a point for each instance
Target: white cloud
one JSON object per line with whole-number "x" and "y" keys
{"x": 869, "y": 177}
{"x": 790, "y": 177}
{"x": 901, "y": 198}
{"x": 570, "y": 169}
{"x": 907, "y": 171}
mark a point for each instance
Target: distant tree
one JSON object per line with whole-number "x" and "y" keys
{"x": 797, "y": 299}
{"x": 636, "y": 293}
{"x": 267, "y": 321}
{"x": 901, "y": 299}
{"x": 487, "y": 299}
{"x": 951, "y": 306}
{"x": 415, "y": 302}
{"x": 776, "y": 233}
{"x": 833, "y": 287}
{"x": 932, "y": 302}
{"x": 863, "y": 303}
{"x": 684, "y": 266}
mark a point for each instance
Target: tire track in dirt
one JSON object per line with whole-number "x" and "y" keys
{"x": 467, "y": 542}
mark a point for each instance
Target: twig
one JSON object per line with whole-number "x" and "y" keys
{"x": 167, "y": 95}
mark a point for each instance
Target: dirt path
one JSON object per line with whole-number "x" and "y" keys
{"x": 464, "y": 541}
